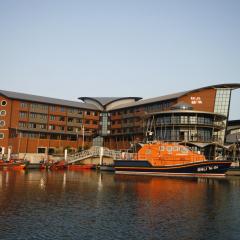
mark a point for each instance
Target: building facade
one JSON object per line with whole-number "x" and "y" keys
{"x": 45, "y": 125}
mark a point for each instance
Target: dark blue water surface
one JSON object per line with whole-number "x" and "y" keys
{"x": 93, "y": 205}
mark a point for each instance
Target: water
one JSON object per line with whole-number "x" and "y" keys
{"x": 93, "y": 205}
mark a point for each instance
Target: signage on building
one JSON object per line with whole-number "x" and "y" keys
{"x": 196, "y": 100}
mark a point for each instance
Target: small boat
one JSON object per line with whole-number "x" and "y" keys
{"x": 12, "y": 165}
{"x": 170, "y": 159}
{"x": 61, "y": 165}
{"x": 37, "y": 166}
{"x": 76, "y": 167}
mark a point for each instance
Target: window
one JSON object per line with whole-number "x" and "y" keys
{"x": 32, "y": 125}
{"x": 1, "y": 135}
{"x": 23, "y": 114}
{"x": 61, "y": 128}
{"x": 175, "y": 148}
{"x": 3, "y": 112}
{"x": 61, "y": 119}
{"x": 43, "y": 136}
{"x": 70, "y": 129}
{"x": 34, "y": 105}
{"x": 41, "y": 150}
{"x": 70, "y": 119}
{"x": 88, "y": 113}
{"x": 33, "y": 115}
{"x": 78, "y": 120}
{"x": 3, "y": 102}
{"x": 2, "y": 123}
{"x": 71, "y": 110}
{"x": 43, "y": 116}
{"x": 62, "y": 109}
{"x": 87, "y": 122}
{"x": 52, "y": 117}
{"x": 162, "y": 148}
{"x": 23, "y": 105}
{"x": 42, "y": 126}
{"x": 53, "y": 108}
{"x": 51, "y": 127}
{"x": 22, "y": 124}
{"x": 169, "y": 148}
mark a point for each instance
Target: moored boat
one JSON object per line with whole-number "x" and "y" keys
{"x": 76, "y": 167}
{"x": 12, "y": 165}
{"x": 170, "y": 159}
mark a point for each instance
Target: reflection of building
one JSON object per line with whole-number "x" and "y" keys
{"x": 34, "y": 124}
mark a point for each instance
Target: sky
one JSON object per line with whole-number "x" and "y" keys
{"x": 147, "y": 48}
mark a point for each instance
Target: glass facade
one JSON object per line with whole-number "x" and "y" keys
{"x": 222, "y": 102}
{"x": 104, "y": 124}
{"x": 187, "y": 126}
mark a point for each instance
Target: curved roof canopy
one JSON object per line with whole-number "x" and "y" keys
{"x": 103, "y": 102}
{"x": 175, "y": 95}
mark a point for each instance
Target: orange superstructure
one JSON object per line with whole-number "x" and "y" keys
{"x": 168, "y": 154}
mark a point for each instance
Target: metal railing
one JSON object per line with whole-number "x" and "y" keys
{"x": 93, "y": 152}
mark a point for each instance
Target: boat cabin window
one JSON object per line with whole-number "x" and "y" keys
{"x": 148, "y": 151}
{"x": 169, "y": 149}
{"x": 184, "y": 150}
{"x": 162, "y": 148}
{"x": 175, "y": 148}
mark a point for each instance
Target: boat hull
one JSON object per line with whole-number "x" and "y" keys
{"x": 198, "y": 169}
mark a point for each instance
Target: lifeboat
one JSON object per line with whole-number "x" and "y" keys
{"x": 170, "y": 159}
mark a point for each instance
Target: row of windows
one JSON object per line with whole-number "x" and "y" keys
{"x": 56, "y": 118}
{"x": 52, "y": 136}
{"x": 56, "y": 108}
{"x": 158, "y": 106}
{"x": 131, "y": 120}
{"x": 126, "y": 111}
{"x": 184, "y": 120}
{"x": 126, "y": 130}
{"x": 44, "y": 126}
{"x": 200, "y": 135}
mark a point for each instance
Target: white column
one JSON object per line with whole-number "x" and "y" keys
{"x": 101, "y": 156}
{"x": 3, "y": 151}
{"x": 9, "y": 154}
{"x": 65, "y": 154}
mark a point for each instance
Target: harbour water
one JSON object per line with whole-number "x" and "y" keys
{"x": 94, "y": 205}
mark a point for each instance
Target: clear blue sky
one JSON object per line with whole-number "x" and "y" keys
{"x": 72, "y": 48}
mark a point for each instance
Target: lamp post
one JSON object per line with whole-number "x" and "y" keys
{"x": 77, "y": 137}
{"x": 83, "y": 132}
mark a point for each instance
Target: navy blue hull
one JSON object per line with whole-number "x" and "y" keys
{"x": 199, "y": 168}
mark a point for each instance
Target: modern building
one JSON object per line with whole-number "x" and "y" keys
{"x": 39, "y": 124}
{"x": 233, "y": 132}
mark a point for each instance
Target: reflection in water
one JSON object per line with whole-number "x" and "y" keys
{"x": 93, "y": 205}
